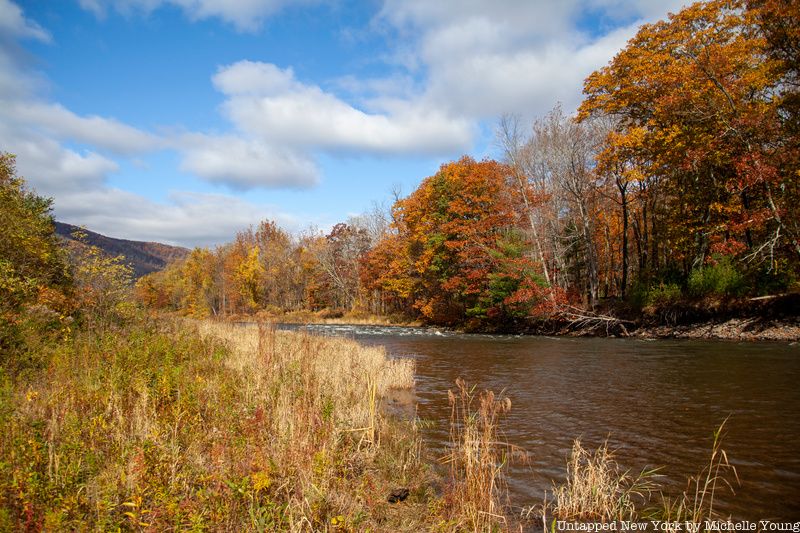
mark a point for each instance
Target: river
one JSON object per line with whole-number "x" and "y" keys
{"x": 656, "y": 402}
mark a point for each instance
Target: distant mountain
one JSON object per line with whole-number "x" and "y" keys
{"x": 143, "y": 257}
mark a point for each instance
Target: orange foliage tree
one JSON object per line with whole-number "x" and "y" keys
{"x": 455, "y": 252}
{"x": 699, "y": 125}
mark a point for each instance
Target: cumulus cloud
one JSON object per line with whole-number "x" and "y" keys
{"x": 455, "y": 65}
{"x": 104, "y": 133}
{"x": 528, "y": 81}
{"x": 270, "y": 103}
{"x": 517, "y": 56}
{"x": 52, "y": 169}
{"x": 244, "y": 15}
{"x": 44, "y": 137}
{"x": 245, "y": 163}
{"x": 14, "y": 24}
{"x": 186, "y": 219}
{"x": 46, "y": 164}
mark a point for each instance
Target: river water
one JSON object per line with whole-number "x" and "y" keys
{"x": 656, "y": 402}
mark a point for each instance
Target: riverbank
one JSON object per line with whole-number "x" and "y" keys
{"x": 742, "y": 329}
{"x": 769, "y": 318}
{"x": 327, "y": 316}
{"x": 183, "y": 424}
{"x": 774, "y": 318}
{"x": 736, "y": 328}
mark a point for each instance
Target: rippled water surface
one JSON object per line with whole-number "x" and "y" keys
{"x": 657, "y": 403}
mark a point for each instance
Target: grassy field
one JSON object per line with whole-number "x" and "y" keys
{"x": 193, "y": 426}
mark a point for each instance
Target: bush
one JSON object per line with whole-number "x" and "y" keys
{"x": 775, "y": 278}
{"x": 663, "y": 294}
{"x": 720, "y": 279}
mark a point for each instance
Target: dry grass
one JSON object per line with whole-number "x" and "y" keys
{"x": 209, "y": 427}
{"x": 335, "y": 375}
{"x": 320, "y": 398}
{"x": 327, "y": 317}
{"x": 596, "y": 489}
{"x": 477, "y": 460}
{"x": 696, "y": 504}
{"x": 165, "y": 426}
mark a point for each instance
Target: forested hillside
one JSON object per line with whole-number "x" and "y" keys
{"x": 676, "y": 181}
{"x": 142, "y": 257}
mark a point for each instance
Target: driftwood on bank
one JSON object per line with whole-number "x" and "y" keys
{"x": 582, "y": 320}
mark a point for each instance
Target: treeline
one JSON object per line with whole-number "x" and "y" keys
{"x": 677, "y": 179}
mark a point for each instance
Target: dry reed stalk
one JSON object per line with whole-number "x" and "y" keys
{"x": 478, "y": 458}
{"x": 303, "y": 380}
{"x": 696, "y": 504}
{"x": 597, "y": 489}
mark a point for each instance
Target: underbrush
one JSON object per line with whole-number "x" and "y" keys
{"x": 166, "y": 426}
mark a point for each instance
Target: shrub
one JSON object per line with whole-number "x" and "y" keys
{"x": 663, "y": 294}
{"x": 719, "y": 279}
{"x": 35, "y": 287}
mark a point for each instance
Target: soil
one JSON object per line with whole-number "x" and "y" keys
{"x": 744, "y": 329}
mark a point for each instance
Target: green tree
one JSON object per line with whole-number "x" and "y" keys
{"x": 35, "y": 285}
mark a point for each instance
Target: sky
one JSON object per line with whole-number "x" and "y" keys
{"x": 185, "y": 121}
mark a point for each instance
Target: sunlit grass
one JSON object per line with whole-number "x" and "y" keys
{"x": 201, "y": 427}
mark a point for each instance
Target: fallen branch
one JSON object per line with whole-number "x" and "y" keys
{"x": 580, "y": 319}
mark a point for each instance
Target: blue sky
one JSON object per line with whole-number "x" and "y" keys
{"x": 183, "y": 121}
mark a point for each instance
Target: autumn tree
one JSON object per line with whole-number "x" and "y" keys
{"x": 34, "y": 276}
{"x": 553, "y": 171}
{"x": 339, "y": 255}
{"x": 103, "y": 282}
{"x": 702, "y": 136}
{"x": 447, "y": 258}
{"x": 532, "y": 185}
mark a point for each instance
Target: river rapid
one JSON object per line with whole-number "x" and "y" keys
{"x": 657, "y": 402}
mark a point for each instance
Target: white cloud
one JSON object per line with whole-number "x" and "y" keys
{"x": 520, "y": 56}
{"x": 245, "y": 164}
{"x": 187, "y": 219}
{"x": 49, "y": 167}
{"x": 269, "y": 103}
{"x": 42, "y": 135}
{"x": 247, "y": 78}
{"x": 13, "y": 83}
{"x": 34, "y": 130}
{"x": 457, "y": 64}
{"x": 13, "y": 23}
{"x": 104, "y": 133}
{"x": 528, "y": 81}
{"x": 244, "y": 15}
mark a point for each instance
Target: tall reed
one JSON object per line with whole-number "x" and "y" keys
{"x": 478, "y": 459}
{"x": 696, "y": 503}
{"x": 597, "y": 489}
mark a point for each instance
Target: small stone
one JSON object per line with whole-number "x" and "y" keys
{"x": 398, "y": 495}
